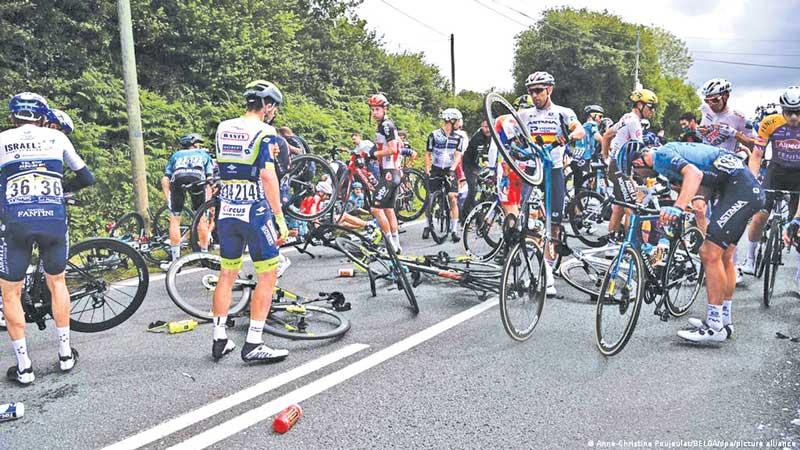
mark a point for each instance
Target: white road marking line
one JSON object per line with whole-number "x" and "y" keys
{"x": 178, "y": 423}
{"x": 252, "y": 417}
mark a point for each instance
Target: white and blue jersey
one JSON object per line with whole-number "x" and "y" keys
{"x": 443, "y": 148}
{"x": 32, "y": 161}
{"x": 190, "y": 164}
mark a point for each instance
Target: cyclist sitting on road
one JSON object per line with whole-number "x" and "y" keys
{"x": 782, "y": 131}
{"x": 387, "y": 148}
{"x": 32, "y": 160}
{"x": 443, "y": 155}
{"x": 60, "y": 121}
{"x": 191, "y": 164}
{"x": 738, "y": 196}
{"x": 250, "y": 210}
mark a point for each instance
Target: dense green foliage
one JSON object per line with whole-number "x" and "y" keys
{"x": 194, "y": 57}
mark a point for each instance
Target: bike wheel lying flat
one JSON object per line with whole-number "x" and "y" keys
{"x": 107, "y": 281}
{"x": 585, "y": 275}
{"x": 522, "y": 290}
{"x": 305, "y": 322}
{"x": 482, "y": 235}
{"x": 192, "y": 279}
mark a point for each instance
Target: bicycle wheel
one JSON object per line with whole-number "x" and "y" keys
{"x": 482, "y": 234}
{"x": 772, "y": 260}
{"x": 400, "y": 275}
{"x": 192, "y": 279}
{"x": 342, "y": 198}
{"x": 159, "y": 245}
{"x": 129, "y": 228}
{"x": 208, "y": 212}
{"x": 439, "y": 216}
{"x": 107, "y": 281}
{"x": 305, "y": 322}
{"x": 522, "y": 290}
{"x": 619, "y": 302}
{"x": 684, "y": 272}
{"x": 356, "y": 247}
{"x": 411, "y": 196}
{"x": 529, "y": 169}
{"x": 300, "y": 184}
{"x": 586, "y": 274}
{"x": 589, "y": 213}
{"x": 760, "y": 260}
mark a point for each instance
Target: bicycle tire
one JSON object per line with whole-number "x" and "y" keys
{"x": 439, "y": 217}
{"x": 604, "y": 303}
{"x": 759, "y": 262}
{"x": 496, "y": 106}
{"x": 159, "y": 247}
{"x": 482, "y": 238}
{"x": 292, "y": 321}
{"x": 129, "y": 226}
{"x": 689, "y": 240}
{"x": 191, "y": 281}
{"x": 400, "y": 275}
{"x": 301, "y": 180}
{"x": 412, "y": 196}
{"x": 586, "y": 212}
{"x": 93, "y": 281}
{"x": 772, "y": 260}
{"x": 210, "y": 211}
{"x": 585, "y": 275}
{"x": 522, "y": 260}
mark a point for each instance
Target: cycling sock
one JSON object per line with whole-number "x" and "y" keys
{"x": 63, "y": 341}
{"x": 454, "y": 225}
{"x": 751, "y": 250}
{"x": 21, "y": 351}
{"x": 714, "y": 317}
{"x": 727, "y": 305}
{"x": 220, "y": 327}
{"x": 396, "y": 239}
{"x": 254, "y": 332}
{"x": 203, "y": 249}
{"x": 175, "y": 251}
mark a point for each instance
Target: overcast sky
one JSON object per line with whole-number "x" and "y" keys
{"x": 753, "y": 32}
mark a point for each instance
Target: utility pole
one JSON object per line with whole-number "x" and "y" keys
{"x": 453, "y": 62}
{"x": 636, "y": 83}
{"x": 134, "y": 113}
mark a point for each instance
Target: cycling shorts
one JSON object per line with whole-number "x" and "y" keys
{"x": 177, "y": 195}
{"x": 16, "y": 246}
{"x": 509, "y": 185}
{"x": 736, "y": 202}
{"x": 251, "y": 225}
{"x": 781, "y": 178}
{"x": 386, "y": 191}
{"x": 439, "y": 177}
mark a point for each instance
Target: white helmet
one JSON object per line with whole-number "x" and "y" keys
{"x": 540, "y": 78}
{"x": 645, "y": 124}
{"x": 324, "y": 187}
{"x": 716, "y": 86}
{"x": 790, "y": 99}
{"x": 451, "y": 115}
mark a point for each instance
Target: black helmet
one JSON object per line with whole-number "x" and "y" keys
{"x": 190, "y": 139}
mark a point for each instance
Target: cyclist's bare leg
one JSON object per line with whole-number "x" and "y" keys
{"x": 617, "y": 213}
{"x": 222, "y": 292}
{"x": 730, "y": 272}
{"x": 453, "y": 208}
{"x": 699, "y": 206}
{"x": 716, "y": 276}
{"x": 756, "y": 226}
{"x": 383, "y": 221}
{"x": 392, "y": 219}
{"x": 202, "y": 233}
{"x": 12, "y": 308}
{"x": 59, "y": 298}
{"x": 262, "y": 296}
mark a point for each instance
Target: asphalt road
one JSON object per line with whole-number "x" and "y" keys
{"x": 448, "y": 378}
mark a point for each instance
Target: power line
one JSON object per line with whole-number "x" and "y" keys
{"x": 709, "y": 38}
{"x": 739, "y": 63}
{"x": 743, "y": 53}
{"x": 415, "y": 19}
{"x": 515, "y": 10}
{"x": 502, "y": 14}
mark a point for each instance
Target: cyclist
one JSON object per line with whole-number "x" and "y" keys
{"x": 585, "y": 148}
{"x": 738, "y": 196}
{"x": 720, "y": 125}
{"x": 190, "y": 164}
{"x": 60, "y": 120}
{"x": 782, "y": 131}
{"x": 32, "y": 160}
{"x": 628, "y": 128}
{"x": 556, "y": 125}
{"x": 387, "y": 148}
{"x": 250, "y": 209}
{"x": 362, "y": 147}
{"x": 443, "y": 155}
{"x": 478, "y": 145}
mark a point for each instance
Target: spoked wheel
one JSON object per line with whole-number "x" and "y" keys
{"x": 588, "y": 216}
{"x": 772, "y": 260}
{"x": 685, "y": 272}
{"x": 207, "y": 214}
{"x": 300, "y": 182}
{"x": 411, "y": 196}
{"x": 439, "y": 216}
{"x": 760, "y": 260}
{"x": 586, "y": 274}
{"x": 159, "y": 245}
{"x": 522, "y": 290}
{"x": 107, "y": 281}
{"x": 129, "y": 227}
{"x": 305, "y": 322}
{"x": 619, "y": 302}
{"x": 510, "y": 136}
{"x": 482, "y": 235}
{"x": 192, "y": 279}
{"x": 400, "y": 276}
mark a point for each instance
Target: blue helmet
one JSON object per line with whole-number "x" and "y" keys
{"x": 190, "y": 139}
{"x": 61, "y": 118}
{"x": 627, "y": 154}
{"x": 357, "y": 185}
{"x": 28, "y": 106}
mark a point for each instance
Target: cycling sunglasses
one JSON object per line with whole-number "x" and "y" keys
{"x": 791, "y": 112}
{"x": 536, "y": 90}
{"x": 713, "y": 100}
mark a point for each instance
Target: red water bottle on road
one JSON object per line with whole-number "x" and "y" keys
{"x": 286, "y": 419}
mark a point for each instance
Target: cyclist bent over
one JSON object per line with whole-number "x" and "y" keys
{"x": 250, "y": 208}
{"x": 738, "y": 196}
{"x": 443, "y": 155}
{"x": 189, "y": 165}
{"x": 32, "y": 160}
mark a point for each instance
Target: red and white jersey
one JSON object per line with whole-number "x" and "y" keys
{"x": 387, "y": 133}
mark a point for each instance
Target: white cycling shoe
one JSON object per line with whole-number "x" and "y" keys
{"x": 739, "y": 277}
{"x": 704, "y": 334}
{"x": 698, "y": 323}
{"x": 550, "y": 283}
{"x": 748, "y": 268}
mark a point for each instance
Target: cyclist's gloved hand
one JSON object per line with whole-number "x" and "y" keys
{"x": 451, "y": 176}
{"x": 670, "y": 213}
{"x": 790, "y": 231}
{"x": 282, "y": 228}
{"x": 726, "y": 131}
